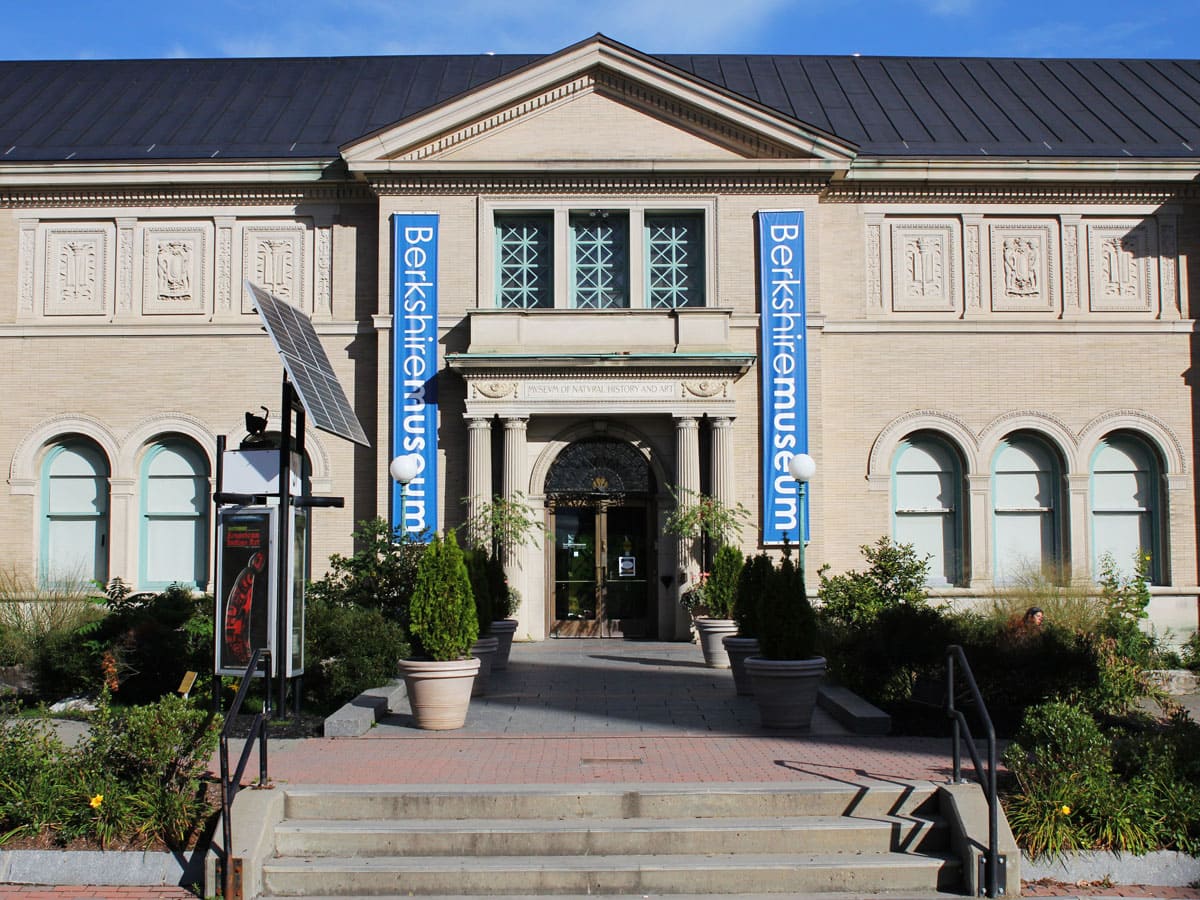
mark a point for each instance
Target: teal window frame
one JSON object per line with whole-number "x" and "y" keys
{"x": 188, "y": 450}
{"x": 599, "y": 259}
{"x": 1154, "y": 513}
{"x": 674, "y": 269}
{"x": 103, "y": 472}
{"x": 955, "y": 554}
{"x": 1054, "y": 559}
{"x": 524, "y": 265}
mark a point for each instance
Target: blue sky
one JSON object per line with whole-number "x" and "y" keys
{"x": 54, "y": 29}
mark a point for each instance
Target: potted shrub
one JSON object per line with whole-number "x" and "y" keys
{"x": 788, "y": 671}
{"x": 720, "y": 588}
{"x": 702, "y": 521}
{"x": 752, "y": 583}
{"x": 497, "y": 528}
{"x": 504, "y": 611}
{"x": 486, "y": 644}
{"x": 443, "y": 626}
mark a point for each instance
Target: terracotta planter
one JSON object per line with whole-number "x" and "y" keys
{"x": 786, "y": 689}
{"x": 485, "y": 650}
{"x": 502, "y": 630}
{"x": 711, "y": 631}
{"x": 738, "y": 649}
{"x": 439, "y": 692}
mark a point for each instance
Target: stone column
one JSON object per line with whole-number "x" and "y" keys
{"x": 1078, "y": 564}
{"x": 687, "y": 483}
{"x": 979, "y": 508}
{"x": 514, "y": 490}
{"x": 122, "y": 546}
{"x": 479, "y": 472}
{"x": 724, "y": 488}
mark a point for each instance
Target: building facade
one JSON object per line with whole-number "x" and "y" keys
{"x": 962, "y": 286}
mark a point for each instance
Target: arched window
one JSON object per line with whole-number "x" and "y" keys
{"x": 1126, "y": 480}
{"x": 1027, "y": 509}
{"x": 927, "y": 512}
{"x": 174, "y": 522}
{"x": 74, "y": 532}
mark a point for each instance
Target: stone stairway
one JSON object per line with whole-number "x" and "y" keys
{"x": 603, "y": 840}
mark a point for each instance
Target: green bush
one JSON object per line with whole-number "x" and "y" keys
{"x": 138, "y": 776}
{"x": 793, "y": 630}
{"x": 721, "y": 590}
{"x": 895, "y": 576}
{"x": 444, "y": 624}
{"x": 379, "y": 575}
{"x": 1131, "y": 787}
{"x": 752, "y": 584}
{"x": 481, "y": 588}
{"x": 504, "y": 598}
{"x": 347, "y": 650}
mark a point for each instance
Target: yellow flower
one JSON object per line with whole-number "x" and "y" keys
{"x": 1066, "y": 810}
{"x": 96, "y": 801}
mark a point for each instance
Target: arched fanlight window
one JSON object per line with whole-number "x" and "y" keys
{"x": 74, "y": 528}
{"x": 1126, "y": 505}
{"x": 1027, "y": 509}
{"x": 927, "y": 507}
{"x": 599, "y": 468}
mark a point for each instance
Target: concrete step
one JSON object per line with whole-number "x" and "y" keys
{"x": 607, "y": 801}
{"x": 601, "y": 837}
{"x": 822, "y": 895}
{"x": 589, "y": 875}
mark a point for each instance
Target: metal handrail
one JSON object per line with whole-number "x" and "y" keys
{"x": 231, "y": 786}
{"x": 993, "y": 883}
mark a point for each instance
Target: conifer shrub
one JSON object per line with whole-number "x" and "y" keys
{"x": 481, "y": 588}
{"x": 752, "y": 584}
{"x": 444, "y": 621}
{"x": 789, "y": 624}
{"x": 720, "y": 591}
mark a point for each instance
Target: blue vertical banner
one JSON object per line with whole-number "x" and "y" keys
{"x": 784, "y": 364}
{"x": 415, "y": 369}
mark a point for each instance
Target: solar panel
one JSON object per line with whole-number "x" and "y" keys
{"x": 308, "y": 366}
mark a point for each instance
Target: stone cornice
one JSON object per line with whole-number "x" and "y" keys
{"x": 582, "y": 183}
{"x": 184, "y": 195}
{"x": 1150, "y": 192}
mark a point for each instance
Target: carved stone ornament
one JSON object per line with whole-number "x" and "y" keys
{"x": 705, "y": 389}
{"x": 275, "y": 258}
{"x": 1118, "y": 264}
{"x": 1023, "y": 262}
{"x": 496, "y": 390}
{"x": 173, "y": 273}
{"x": 924, "y": 267}
{"x": 77, "y": 271}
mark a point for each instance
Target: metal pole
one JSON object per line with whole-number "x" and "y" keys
{"x": 403, "y": 492}
{"x": 281, "y": 572}
{"x": 800, "y": 528}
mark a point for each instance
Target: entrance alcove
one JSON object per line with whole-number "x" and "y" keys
{"x": 602, "y": 568}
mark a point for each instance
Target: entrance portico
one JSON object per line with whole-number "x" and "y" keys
{"x": 651, "y": 399}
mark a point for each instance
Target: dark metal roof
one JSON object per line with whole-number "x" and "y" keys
{"x": 306, "y": 108}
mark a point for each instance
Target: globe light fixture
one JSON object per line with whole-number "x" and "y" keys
{"x": 404, "y": 469}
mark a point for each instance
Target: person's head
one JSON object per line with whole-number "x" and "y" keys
{"x": 1034, "y": 615}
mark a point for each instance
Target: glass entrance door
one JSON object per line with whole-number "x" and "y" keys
{"x": 601, "y": 571}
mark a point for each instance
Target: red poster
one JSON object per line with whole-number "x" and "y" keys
{"x": 243, "y": 601}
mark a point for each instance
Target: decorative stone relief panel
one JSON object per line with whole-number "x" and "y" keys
{"x": 1023, "y": 263}
{"x": 924, "y": 259}
{"x": 323, "y": 301}
{"x": 1070, "y": 242}
{"x": 125, "y": 228}
{"x": 275, "y": 257}
{"x": 1119, "y": 266}
{"x": 77, "y": 277}
{"x": 26, "y": 258}
{"x": 224, "y": 264}
{"x": 175, "y": 260}
{"x": 1168, "y": 266}
{"x": 874, "y": 288}
{"x": 971, "y": 229}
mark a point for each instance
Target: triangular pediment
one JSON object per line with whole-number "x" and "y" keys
{"x": 595, "y": 102}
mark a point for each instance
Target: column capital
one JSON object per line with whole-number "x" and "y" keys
{"x": 516, "y": 423}
{"x": 682, "y": 422}
{"x": 476, "y": 421}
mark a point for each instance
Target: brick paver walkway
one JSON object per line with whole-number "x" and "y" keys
{"x": 586, "y": 712}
